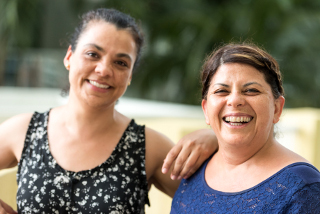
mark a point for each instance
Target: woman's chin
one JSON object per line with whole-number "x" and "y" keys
{"x": 236, "y": 140}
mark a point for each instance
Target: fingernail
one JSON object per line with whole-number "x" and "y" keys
{"x": 164, "y": 170}
{"x": 179, "y": 177}
{"x": 173, "y": 177}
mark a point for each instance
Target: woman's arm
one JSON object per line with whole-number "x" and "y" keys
{"x": 157, "y": 147}
{"x": 5, "y": 208}
{"x": 189, "y": 153}
{"x": 12, "y": 134}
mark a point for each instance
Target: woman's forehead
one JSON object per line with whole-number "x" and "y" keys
{"x": 101, "y": 28}
{"x": 108, "y": 36}
{"x": 236, "y": 71}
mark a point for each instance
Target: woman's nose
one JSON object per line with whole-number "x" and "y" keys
{"x": 235, "y": 99}
{"x": 104, "y": 68}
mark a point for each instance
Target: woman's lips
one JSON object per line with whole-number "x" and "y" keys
{"x": 237, "y": 120}
{"x": 99, "y": 85}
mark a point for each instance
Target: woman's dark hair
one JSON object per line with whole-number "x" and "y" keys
{"x": 119, "y": 19}
{"x": 245, "y": 54}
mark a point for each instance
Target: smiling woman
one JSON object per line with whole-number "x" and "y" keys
{"x": 251, "y": 172}
{"x": 85, "y": 156}
{"x": 102, "y": 51}
{"x": 239, "y": 92}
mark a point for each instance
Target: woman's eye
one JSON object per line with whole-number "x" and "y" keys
{"x": 220, "y": 91}
{"x": 122, "y": 63}
{"x": 252, "y": 91}
{"x": 92, "y": 54}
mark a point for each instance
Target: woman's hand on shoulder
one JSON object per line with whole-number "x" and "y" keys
{"x": 189, "y": 153}
{"x": 5, "y": 208}
{"x": 12, "y": 136}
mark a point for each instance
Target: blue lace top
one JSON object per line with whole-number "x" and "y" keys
{"x": 294, "y": 189}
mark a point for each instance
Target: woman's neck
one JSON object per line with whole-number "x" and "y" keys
{"x": 79, "y": 117}
{"x": 234, "y": 156}
{"x": 237, "y": 169}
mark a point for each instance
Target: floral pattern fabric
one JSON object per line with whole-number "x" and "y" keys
{"x": 117, "y": 186}
{"x": 294, "y": 189}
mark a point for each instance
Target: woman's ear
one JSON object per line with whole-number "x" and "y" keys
{"x": 278, "y": 104}
{"x": 204, "y": 109}
{"x": 66, "y": 60}
{"x": 130, "y": 78}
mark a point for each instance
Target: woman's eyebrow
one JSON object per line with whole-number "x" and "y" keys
{"x": 251, "y": 83}
{"x": 222, "y": 84}
{"x": 96, "y": 46}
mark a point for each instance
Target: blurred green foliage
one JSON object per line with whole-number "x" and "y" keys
{"x": 180, "y": 33}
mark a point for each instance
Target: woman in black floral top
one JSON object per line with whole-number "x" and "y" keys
{"x": 85, "y": 157}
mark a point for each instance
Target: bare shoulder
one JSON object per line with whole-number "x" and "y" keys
{"x": 294, "y": 157}
{"x": 157, "y": 147}
{"x": 12, "y": 135}
{"x": 153, "y": 136}
{"x": 287, "y": 157}
{"x": 16, "y": 124}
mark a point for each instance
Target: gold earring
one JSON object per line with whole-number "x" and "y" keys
{"x": 129, "y": 83}
{"x": 68, "y": 67}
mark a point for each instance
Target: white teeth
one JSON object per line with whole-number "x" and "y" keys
{"x": 98, "y": 84}
{"x": 238, "y": 119}
{"x": 235, "y": 124}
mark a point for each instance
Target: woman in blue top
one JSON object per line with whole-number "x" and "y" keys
{"x": 251, "y": 172}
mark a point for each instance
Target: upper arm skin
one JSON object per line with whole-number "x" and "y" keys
{"x": 12, "y": 136}
{"x": 157, "y": 147}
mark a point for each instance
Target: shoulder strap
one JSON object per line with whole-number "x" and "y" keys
{"x": 37, "y": 128}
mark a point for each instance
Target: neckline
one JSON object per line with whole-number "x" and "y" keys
{"x": 208, "y": 188}
{"x": 86, "y": 172}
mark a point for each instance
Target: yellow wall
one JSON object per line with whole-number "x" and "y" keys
{"x": 306, "y": 125}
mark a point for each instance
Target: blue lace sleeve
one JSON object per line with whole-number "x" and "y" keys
{"x": 306, "y": 200}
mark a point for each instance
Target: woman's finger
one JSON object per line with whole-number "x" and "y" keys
{"x": 191, "y": 164}
{"x": 180, "y": 162}
{"x": 5, "y": 208}
{"x": 170, "y": 158}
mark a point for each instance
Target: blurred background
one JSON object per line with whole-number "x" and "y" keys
{"x": 179, "y": 34}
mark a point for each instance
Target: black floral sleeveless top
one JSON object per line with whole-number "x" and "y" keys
{"x": 118, "y": 185}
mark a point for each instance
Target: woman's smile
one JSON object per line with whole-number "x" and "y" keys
{"x": 237, "y": 120}
{"x": 98, "y": 85}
